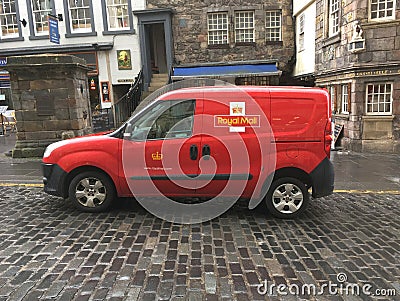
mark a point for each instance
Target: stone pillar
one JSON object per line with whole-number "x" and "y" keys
{"x": 51, "y": 98}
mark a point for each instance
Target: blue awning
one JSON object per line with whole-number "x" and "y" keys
{"x": 216, "y": 71}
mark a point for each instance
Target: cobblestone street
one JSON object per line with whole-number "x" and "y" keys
{"x": 48, "y": 250}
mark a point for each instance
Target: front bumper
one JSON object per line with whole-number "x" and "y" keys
{"x": 53, "y": 179}
{"x": 323, "y": 177}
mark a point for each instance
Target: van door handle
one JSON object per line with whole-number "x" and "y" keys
{"x": 206, "y": 152}
{"x": 193, "y": 152}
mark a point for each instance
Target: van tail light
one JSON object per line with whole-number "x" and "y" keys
{"x": 328, "y": 138}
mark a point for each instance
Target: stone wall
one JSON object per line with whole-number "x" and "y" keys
{"x": 190, "y": 32}
{"x": 50, "y": 97}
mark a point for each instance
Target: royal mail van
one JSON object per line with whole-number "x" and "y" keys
{"x": 263, "y": 144}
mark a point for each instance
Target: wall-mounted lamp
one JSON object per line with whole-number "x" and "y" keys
{"x": 23, "y": 22}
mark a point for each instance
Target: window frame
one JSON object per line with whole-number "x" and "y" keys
{"x": 344, "y": 99}
{"x": 385, "y": 18}
{"x": 107, "y": 29}
{"x": 367, "y": 94}
{"x": 69, "y": 26}
{"x": 33, "y": 34}
{"x": 245, "y": 29}
{"x": 223, "y": 30}
{"x": 301, "y": 32}
{"x": 18, "y": 35}
{"x": 269, "y": 28}
{"x": 334, "y": 18}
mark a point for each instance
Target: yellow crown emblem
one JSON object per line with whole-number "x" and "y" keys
{"x": 156, "y": 156}
{"x": 237, "y": 110}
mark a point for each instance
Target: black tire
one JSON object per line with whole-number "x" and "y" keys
{"x": 287, "y": 198}
{"x": 91, "y": 191}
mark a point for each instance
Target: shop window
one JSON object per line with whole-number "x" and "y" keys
{"x": 273, "y": 26}
{"x": 244, "y": 27}
{"x": 334, "y": 6}
{"x": 382, "y": 9}
{"x": 8, "y": 19}
{"x": 217, "y": 28}
{"x": 80, "y": 15}
{"x": 379, "y": 98}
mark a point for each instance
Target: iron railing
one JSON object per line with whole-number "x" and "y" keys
{"x": 124, "y": 107}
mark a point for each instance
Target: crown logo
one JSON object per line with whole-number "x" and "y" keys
{"x": 237, "y": 110}
{"x": 156, "y": 156}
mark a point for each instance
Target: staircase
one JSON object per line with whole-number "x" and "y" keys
{"x": 157, "y": 81}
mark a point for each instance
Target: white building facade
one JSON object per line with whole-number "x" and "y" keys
{"x": 304, "y": 12}
{"x": 103, "y": 32}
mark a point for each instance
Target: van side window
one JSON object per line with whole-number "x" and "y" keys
{"x": 166, "y": 120}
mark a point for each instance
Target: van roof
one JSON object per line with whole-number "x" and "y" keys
{"x": 237, "y": 89}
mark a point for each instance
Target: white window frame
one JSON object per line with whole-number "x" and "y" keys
{"x": 301, "y": 32}
{"x": 84, "y": 24}
{"x": 377, "y": 98}
{"x": 376, "y": 10}
{"x": 273, "y": 25}
{"x": 345, "y": 99}
{"x": 40, "y": 16}
{"x": 334, "y": 18}
{"x": 217, "y": 25}
{"x": 117, "y": 15}
{"x": 8, "y": 19}
{"x": 244, "y": 27}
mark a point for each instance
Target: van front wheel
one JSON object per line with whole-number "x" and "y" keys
{"x": 91, "y": 191}
{"x": 287, "y": 198}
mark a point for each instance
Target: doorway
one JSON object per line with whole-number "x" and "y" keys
{"x": 158, "y": 58}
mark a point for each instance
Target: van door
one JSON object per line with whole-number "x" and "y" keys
{"x": 230, "y": 153}
{"x": 160, "y": 149}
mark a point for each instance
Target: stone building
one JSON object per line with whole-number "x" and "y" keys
{"x": 243, "y": 42}
{"x": 358, "y": 61}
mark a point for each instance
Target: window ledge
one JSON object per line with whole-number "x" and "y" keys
{"x": 375, "y": 23}
{"x": 377, "y": 117}
{"x": 218, "y": 46}
{"x": 277, "y": 43}
{"x": 331, "y": 40}
{"x": 115, "y": 32}
{"x": 14, "y": 39}
{"x": 81, "y": 34}
{"x": 245, "y": 44}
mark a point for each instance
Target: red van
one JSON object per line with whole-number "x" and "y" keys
{"x": 268, "y": 144}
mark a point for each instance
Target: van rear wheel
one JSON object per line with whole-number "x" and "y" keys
{"x": 91, "y": 191}
{"x": 287, "y": 198}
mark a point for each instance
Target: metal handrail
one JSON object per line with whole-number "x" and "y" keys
{"x": 124, "y": 106}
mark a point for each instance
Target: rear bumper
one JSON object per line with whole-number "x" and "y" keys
{"x": 53, "y": 179}
{"x": 323, "y": 177}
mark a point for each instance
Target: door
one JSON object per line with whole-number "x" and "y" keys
{"x": 160, "y": 150}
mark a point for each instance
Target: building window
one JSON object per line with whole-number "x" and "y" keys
{"x": 80, "y": 16}
{"x": 382, "y": 9}
{"x": 253, "y": 81}
{"x": 8, "y": 19}
{"x": 118, "y": 14}
{"x": 40, "y": 11}
{"x": 345, "y": 99}
{"x": 333, "y": 17}
{"x": 217, "y": 28}
{"x": 273, "y": 25}
{"x": 379, "y": 98}
{"x": 301, "y": 32}
{"x": 244, "y": 27}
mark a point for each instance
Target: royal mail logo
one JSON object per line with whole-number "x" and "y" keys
{"x": 237, "y": 121}
{"x": 156, "y": 156}
{"x": 236, "y": 110}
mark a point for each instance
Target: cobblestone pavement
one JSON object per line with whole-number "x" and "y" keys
{"x": 50, "y": 251}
